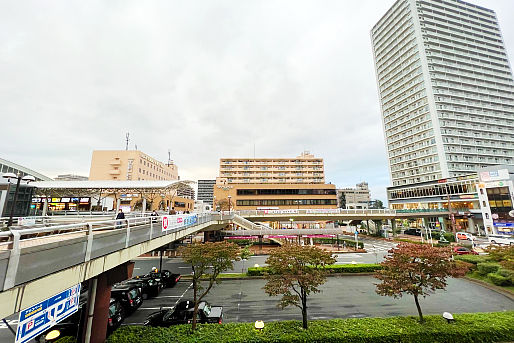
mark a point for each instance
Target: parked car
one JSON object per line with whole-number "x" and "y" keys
{"x": 465, "y": 236}
{"x": 168, "y": 278}
{"x": 501, "y": 239}
{"x": 413, "y": 231}
{"x": 129, "y": 296}
{"x": 73, "y": 325}
{"x": 148, "y": 286}
{"x": 183, "y": 314}
{"x": 464, "y": 251}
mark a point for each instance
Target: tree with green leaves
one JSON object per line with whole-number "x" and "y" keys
{"x": 295, "y": 272}
{"x": 416, "y": 269}
{"x": 207, "y": 261}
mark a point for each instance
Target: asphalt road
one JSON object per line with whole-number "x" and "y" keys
{"x": 341, "y": 297}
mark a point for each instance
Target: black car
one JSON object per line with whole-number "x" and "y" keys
{"x": 148, "y": 286}
{"x": 183, "y": 314}
{"x": 413, "y": 232}
{"x": 128, "y": 295}
{"x": 168, "y": 278}
{"x": 73, "y": 325}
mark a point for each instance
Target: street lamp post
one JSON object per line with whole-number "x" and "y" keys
{"x": 229, "y": 206}
{"x": 9, "y": 176}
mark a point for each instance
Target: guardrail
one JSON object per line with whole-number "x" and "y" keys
{"x": 335, "y": 211}
{"x": 45, "y": 250}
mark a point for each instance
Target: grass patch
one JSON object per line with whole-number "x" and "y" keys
{"x": 475, "y": 327}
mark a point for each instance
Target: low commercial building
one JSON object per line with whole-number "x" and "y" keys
{"x": 274, "y": 196}
{"x": 458, "y": 194}
{"x": 496, "y": 196}
{"x": 354, "y": 198}
{"x": 108, "y": 195}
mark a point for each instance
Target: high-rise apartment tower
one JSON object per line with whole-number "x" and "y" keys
{"x": 446, "y": 89}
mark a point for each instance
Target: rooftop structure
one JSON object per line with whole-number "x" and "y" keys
{"x": 11, "y": 167}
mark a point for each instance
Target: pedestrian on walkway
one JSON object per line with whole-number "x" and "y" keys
{"x": 119, "y": 218}
{"x": 154, "y": 216}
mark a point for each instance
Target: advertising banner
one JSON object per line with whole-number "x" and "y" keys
{"x": 42, "y": 316}
{"x": 173, "y": 222}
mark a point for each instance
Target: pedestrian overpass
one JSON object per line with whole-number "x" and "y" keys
{"x": 37, "y": 263}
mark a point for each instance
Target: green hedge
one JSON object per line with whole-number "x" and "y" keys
{"x": 333, "y": 268}
{"x": 475, "y": 259}
{"x": 66, "y": 339}
{"x": 485, "y": 268}
{"x": 497, "y": 279}
{"x": 507, "y": 273}
{"x": 476, "y": 327}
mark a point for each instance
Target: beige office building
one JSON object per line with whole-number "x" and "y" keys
{"x": 299, "y": 170}
{"x": 273, "y": 183}
{"x": 129, "y": 165}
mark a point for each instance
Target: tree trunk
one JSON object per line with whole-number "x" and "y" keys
{"x": 304, "y": 308}
{"x": 421, "y": 320}
{"x": 195, "y": 294}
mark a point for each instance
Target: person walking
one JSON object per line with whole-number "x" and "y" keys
{"x": 119, "y": 218}
{"x": 154, "y": 216}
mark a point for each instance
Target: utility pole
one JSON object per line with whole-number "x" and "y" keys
{"x": 127, "y": 135}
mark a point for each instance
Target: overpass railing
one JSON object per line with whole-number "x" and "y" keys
{"x": 335, "y": 211}
{"x": 45, "y": 250}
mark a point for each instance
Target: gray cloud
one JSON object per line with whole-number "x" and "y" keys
{"x": 206, "y": 79}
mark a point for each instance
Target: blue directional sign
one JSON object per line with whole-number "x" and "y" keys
{"x": 42, "y": 316}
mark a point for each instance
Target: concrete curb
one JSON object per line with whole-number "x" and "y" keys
{"x": 188, "y": 278}
{"x": 491, "y": 287}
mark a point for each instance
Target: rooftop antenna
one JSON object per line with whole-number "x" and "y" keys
{"x": 169, "y": 157}
{"x": 135, "y": 146}
{"x": 127, "y": 140}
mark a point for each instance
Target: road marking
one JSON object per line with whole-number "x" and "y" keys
{"x": 349, "y": 256}
{"x": 155, "y": 308}
{"x": 12, "y": 322}
{"x": 136, "y": 268}
{"x": 167, "y": 296}
{"x": 184, "y": 267}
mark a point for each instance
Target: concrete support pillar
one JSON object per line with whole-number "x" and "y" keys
{"x": 118, "y": 203}
{"x": 99, "y": 297}
{"x": 144, "y": 205}
{"x": 45, "y": 206}
{"x": 471, "y": 225}
{"x": 393, "y": 226}
{"x": 311, "y": 241}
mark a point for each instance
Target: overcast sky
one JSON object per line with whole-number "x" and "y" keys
{"x": 205, "y": 79}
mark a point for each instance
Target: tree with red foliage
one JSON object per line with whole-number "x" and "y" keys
{"x": 417, "y": 269}
{"x": 295, "y": 272}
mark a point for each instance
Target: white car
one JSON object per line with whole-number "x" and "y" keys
{"x": 501, "y": 239}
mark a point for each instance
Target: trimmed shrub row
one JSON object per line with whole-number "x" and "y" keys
{"x": 476, "y": 327}
{"x": 475, "y": 259}
{"x": 333, "y": 268}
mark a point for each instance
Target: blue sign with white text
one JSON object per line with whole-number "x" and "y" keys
{"x": 40, "y": 317}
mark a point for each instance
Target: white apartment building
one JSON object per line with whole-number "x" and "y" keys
{"x": 446, "y": 90}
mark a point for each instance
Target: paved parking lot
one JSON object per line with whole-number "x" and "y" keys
{"x": 341, "y": 297}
